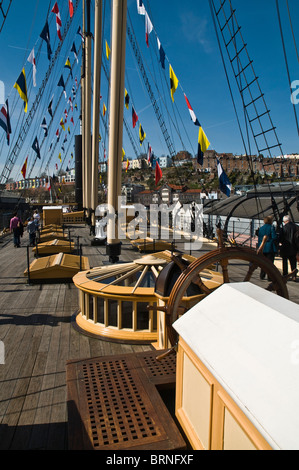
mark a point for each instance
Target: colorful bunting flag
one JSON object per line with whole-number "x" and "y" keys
{"x": 149, "y": 153}
{"x": 74, "y": 50}
{"x": 72, "y": 120}
{"x": 134, "y": 117}
{"x": 224, "y": 183}
{"x": 21, "y": 86}
{"x": 108, "y": 51}
{"x": 57, "y": 135}
{"x": 59, "y": 156}
{"x": 142, "y": 134}
{"x": 123, "y": 154}
{"x": 31, "y": 60}
{"x": 55, "y": 10}
{"x": 50, "y": 107}
{"x": 158, "y": 173}
{"x": 161, "y": 54}
{"x": 127, "y": 99}
{"x": 61, "y": 83}
{"x": 192, "y": 114}
{"x": 45, "y": 35}
{"x": 80, "y": 33}
{"x": 44, "y": 126}
{"x": 36, "y": 148}
{"x": 148, "y": 28}
{"x": 67, "y": 65}
{"x": 173, "y": 82}
{"x": 71, "y": 8}
{"x": 62, "y": 124}
{"x": 140, "y": 7}
{"x": 127, "y": 166}
{"x": 24, "y": 168}
{"x": 104, "y": 109}
{"x": 203, "y": 145}
{"x": 5, "y": 121}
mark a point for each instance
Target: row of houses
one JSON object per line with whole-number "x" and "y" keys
{"x": 35, "y": 183}
{"x": 288, "y": 165}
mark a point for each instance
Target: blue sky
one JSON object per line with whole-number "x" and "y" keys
{"x": 187, "y": 34}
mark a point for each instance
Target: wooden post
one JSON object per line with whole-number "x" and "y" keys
{"x": 119, "y": 19}
{"x": 96, "y": 109}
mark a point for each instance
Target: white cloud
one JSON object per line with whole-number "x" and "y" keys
{"x": 196, "y": 30}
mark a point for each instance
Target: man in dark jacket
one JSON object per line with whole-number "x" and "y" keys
{"x": 270, "y": 249}
{"x": 288, "y": 249}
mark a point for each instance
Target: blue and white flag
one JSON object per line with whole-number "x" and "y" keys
{"x": 224, "y": 183}
{"x": 140, "y": 7}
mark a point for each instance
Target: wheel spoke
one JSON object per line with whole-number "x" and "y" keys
{"x": 224, "y": 265}
{"x": 252, "y": 268}
{"x": 198, "y": 281}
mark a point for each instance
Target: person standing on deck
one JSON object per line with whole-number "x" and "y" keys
{"x": 16, "y": 228}
{"x": 270, "y": 249}
{"x": 31, "y": 229}
{"x": 288, "y": 245}
{"x": 36, "y": 218}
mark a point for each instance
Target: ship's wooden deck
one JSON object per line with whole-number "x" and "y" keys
{"x": 36, "y": 327}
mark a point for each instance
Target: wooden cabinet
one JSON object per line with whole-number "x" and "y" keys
{"x": 237, "y": 373}
{"x": 209, "y": 417}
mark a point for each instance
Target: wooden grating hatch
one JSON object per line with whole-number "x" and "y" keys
{"x": 113, "y": 404}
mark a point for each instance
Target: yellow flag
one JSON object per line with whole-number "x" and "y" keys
{"x": 173, "y": 82}
{"x": 124, "y": 153}
{"x": 59, "y": 156}
{"x": 108, "y": 50}
{"x": 104, "y": 109}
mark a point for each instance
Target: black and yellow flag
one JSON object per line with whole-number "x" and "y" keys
{"x": 142, "y": 134}
{"x": 173, "y": 82}
{"x": 67, "y": 65}
{"x": 127, "y": 99}
{"x": 203, "y": 145}
{"x": 21, "y": 86}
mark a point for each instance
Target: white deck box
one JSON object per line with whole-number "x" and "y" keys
{"x": 238, "y": 370}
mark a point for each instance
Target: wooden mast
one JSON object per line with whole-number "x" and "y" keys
{"x": 96, "y": 109}
{"x": 88, "y": 110}
{"x": 83, "y": 109}
{"x": 119, "y": 20}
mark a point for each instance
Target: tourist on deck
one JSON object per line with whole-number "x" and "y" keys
{"x": 31, "y": 229}
{"x": 289, "y": 245}
{"x": 36, "y": 218}
{"x": 270, "y": 248}
{"x": 16, "y": 227}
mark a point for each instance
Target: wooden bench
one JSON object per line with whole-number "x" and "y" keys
{"x": 114, "y": 403}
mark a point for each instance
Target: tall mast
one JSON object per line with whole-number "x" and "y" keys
{"x": 96, "y": 108}
{"x": 88, "y": 109}
{"x": 83, "y": 109}
{"x": 119, "y": 21}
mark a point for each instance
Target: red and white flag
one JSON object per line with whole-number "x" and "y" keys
{"x": 71, "y": 103}
{"x": 148, "y": 28}
{"x": 55, "y": 10}
{"x": 71, "y": 8}
{"x": 192, "y": 113}
{"x": 72, "y": 120}
{"x": 149, "y": 153}
{"x": 31, "y": 60}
